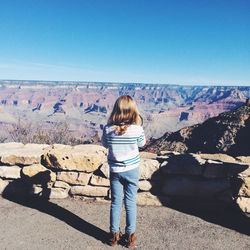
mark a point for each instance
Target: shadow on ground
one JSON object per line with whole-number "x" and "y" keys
{"x": 222, "y": 213}
{"x": 17, "y": 192}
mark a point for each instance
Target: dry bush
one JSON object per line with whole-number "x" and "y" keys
{"x": 20, "y": 131}
{"x": 57, "y": 133}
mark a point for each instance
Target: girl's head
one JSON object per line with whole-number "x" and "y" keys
{"x": 124, "y": 113}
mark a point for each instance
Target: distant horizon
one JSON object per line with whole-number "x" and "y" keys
{"x": 143, "y": 83}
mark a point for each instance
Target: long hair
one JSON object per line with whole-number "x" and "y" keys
{"x": 124, "y": 113}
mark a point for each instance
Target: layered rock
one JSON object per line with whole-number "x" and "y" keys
{"x": 89, "y": 191}
{"x": 10, "y": 172}
{"x": 147, "y": 168}
{"x": 74, "y": 178}
{"x": 164, "y": 107}
{"x": 244, "y": 204}
{"x": 20, "y": 154}
{"x": 99, "y": 181}
{"x": 3, "y": 185}
{"x": 38, "y": 174}
{"x": 84, "y": 158}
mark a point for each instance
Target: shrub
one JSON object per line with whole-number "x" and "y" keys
{"x": 57, "y": 132}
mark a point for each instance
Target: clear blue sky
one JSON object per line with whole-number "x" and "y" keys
{"x": 156, "y": 41}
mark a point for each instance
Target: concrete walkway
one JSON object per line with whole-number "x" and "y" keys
{"x": 76, "y": 224}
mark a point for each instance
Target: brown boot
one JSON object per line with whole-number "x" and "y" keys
{"x": 114, "y": 238}
{"x": 130, "y": 240}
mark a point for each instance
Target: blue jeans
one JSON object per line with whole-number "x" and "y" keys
{"x": 123, "y": 183}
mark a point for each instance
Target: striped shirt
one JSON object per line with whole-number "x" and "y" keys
{"x": 123, "y": 149}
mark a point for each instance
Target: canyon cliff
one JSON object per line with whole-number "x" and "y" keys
{"x": 228, "y": 133}
{"x": 85, "y": 106}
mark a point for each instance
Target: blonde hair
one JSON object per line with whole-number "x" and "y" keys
{"x": 124, "y": 113}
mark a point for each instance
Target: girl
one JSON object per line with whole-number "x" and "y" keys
{"x": 122, "y": 136}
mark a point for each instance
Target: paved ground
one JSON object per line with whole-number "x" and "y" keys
{"x": 76, "y": 224}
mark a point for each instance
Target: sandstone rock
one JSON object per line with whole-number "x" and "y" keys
{"x": 218, "y": 157}
{"x": 86, "y": 158}
{"x": 53, "y": 193}
{"x": 34, "y": 146}
{"x": 61, "y": 184}
{"x": 186, "y": 164}
{"x": 10, "y": 145}
{"x": 58, "y": 147}
{"x": 244, "y": 159}
{"x": 105, "y": 169}
{"x": 10, "y": 172}
{"x": 144, "y": 185}
{"x": 245, "y": 173}
{"x": 74, "y": 178}
{"x": 58, "y": 193}
{"x": 89, "y": 191}
{"x": 146, "y": 198}
{"x": 148, "y": 155}
{"x": 3, "y": 185}
{"x": 169, "y": 153}
{"x": 245, "y": 187}
{"x": 36, "y": 190}
{"x": 91, "y": 148}
{"x": 191, "y": 186}
{"x": 19, "y": 154}
{"x": 38, "y": 174}
{"x": 99, "y": 181}
{"x": 147, "y": 168}
{"x": 20, "y": 158}
{"x": 244, "y": 205}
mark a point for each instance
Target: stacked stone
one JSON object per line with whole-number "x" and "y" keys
{"x": 77, "y": 169}
{"x": 18, "y": 161}
{"x": 59, "y": 171}
{"x": 242, "y": 186}
{"x": 55, "y": 171}
{"x": 218, "y": 177}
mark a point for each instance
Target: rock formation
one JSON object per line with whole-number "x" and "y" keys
{"x": 87, "y": 105}
{"x": 228, "y": 133}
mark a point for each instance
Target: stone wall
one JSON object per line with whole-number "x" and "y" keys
{"x": 61, "y": 171}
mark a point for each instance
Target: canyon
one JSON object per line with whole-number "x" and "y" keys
{"x": 229, "y": 132}
{"x": 85, "y": 106}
